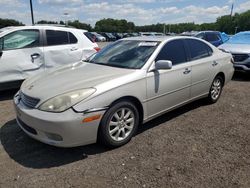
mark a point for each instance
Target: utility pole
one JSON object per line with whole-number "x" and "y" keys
{"x": 31, "y": 9}
{"x": 232, "y": 9}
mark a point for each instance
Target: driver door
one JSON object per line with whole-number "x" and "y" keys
{"x": 167, "y": 89}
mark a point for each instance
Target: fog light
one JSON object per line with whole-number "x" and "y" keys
{"x": 54, "y": 137}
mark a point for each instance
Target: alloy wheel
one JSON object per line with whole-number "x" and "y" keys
{"x": 121, "y": 124}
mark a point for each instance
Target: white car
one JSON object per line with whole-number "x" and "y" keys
{"x": 28, "y": 50}
{"x": 127, "y": 83}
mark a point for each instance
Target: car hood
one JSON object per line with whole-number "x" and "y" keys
{"x": 236, "y": 48}
{"x": 69, "y": 78}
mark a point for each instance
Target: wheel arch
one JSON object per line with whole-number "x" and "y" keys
{"x": 135, "y": 101}
{"x": 222, "y": 75}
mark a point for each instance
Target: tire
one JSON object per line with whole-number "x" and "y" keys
{"x": 118, "y": 124}
{"x": 215, "y": 90}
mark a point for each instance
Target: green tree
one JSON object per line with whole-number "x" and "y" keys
{"x": 113, "y": 25}
{"x": 9, "y": 22}
{"x": 79, "y": 25}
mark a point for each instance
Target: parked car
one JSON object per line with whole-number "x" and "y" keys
{"x": 127, "y": 83}
{"x": 109, "y": 36}
{"x": 214, "y": 37}
{"x": 99, "y": 38}
{"x": 239, "y": 46}
{"x": 28, "y": 50}
{"x": 117, "y": 36}
{"x": 151, "y": 34}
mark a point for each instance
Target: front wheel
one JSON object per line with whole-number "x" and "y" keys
{"x": 119, "y": 124}
{"x": 215, "y": 89}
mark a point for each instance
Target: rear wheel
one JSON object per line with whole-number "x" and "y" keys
{"x": 215, "y": 89}
{"x": 119, "y": 124}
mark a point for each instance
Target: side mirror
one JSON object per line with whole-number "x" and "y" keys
{"x": 163, "y": 64}
{"x": 1, "y": 52}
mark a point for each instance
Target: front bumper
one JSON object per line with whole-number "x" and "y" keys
{"x": 242, "y": 67}
{"x": 59, "y": 129}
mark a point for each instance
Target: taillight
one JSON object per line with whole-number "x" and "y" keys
{"x": 97, "y": 49}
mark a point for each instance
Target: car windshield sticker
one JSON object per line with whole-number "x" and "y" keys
{"x": 147, "y": 44}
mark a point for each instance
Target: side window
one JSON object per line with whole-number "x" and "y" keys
{"x": 212, "y": 37}
{"x": 90, "y": 36}
{"x": 200, "y": 35}
{"x": 72, "y": 38}
{"x": 173, "y": 51}
{"x": 59, "y": 38}
{"x": 21, "y": 39}
{"x": 198, "y": 49}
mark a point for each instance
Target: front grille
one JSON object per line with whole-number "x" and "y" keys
{"x": 26, "y": 127}
{"x": 29, "y": 101}
{"x": 240, "y": 57}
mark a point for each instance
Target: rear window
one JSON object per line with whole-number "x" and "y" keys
{"x": 212, "y": 37}
{"x": 198, "y": 49}
{"x": 60, "y": 38}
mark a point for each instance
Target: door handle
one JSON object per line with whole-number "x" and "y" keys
{"x": 187, "y": 71}
{"x": 34, "y": 56}
{"x": 214, "y": 63}
{"x": 73, "y": 49}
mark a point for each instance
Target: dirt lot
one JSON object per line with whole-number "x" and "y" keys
{"x": 197, "y": 145}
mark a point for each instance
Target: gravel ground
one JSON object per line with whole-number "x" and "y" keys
{"x": 198, "y": 145}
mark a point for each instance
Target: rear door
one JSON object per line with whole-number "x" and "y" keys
{"x": 169, "y": 88}
{"x": 21, "y": 55}
{"x": 61, "y": 48}
{"x": 203, "y": 65}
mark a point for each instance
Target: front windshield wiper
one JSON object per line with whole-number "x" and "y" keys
{"x": 111, "y": 65}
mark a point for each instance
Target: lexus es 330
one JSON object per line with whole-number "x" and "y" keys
{"x": 126, "y": 84}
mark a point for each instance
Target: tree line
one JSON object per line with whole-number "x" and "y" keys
{"x": 226, "y": 23}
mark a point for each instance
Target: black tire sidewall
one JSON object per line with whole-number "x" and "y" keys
{"x": 103, "y": 133}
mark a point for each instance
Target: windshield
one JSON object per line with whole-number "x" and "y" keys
{"x": 125, "y": 54}
{"x": 240, "y": 38}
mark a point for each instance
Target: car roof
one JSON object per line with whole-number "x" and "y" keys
{"x": 46, "y": 27}
{"x": 157, "y": 38}
{"x": 209, "y": 31}
{"x": 247, "y": 32}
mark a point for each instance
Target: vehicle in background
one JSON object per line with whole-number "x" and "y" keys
{"x": 239, "y": 46}
{"x": 109, "y": 37}
{"x": 189, "y": 33}
{"x": 126, "y": 35}
{"x": 145, "y": 34}
{"x": 98, "y": 37}
{"x": 129, "y": 82}
{"x": 28, "y": 50}
{"x": 151, "y": 34}
{"x": 214, "y": 37}
{"x": 117, "y": 36}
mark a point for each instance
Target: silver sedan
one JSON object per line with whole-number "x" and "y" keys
{"x": 125, "y": 84}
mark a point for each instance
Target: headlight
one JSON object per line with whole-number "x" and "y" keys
{"x": 63, "y": 102}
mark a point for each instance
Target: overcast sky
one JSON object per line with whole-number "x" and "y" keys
{"x": 141, "y": 12}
